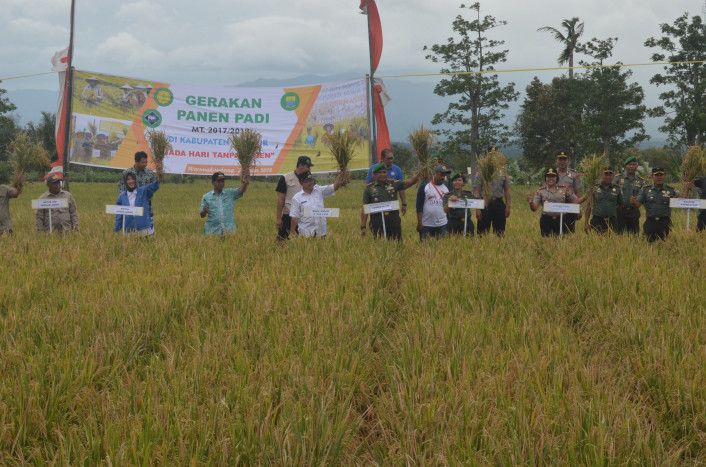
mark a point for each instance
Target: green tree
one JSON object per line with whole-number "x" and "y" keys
{"x": 569, "y": 39}
{"x": 8, "y": 127}
{"x": 613, "y": 113}
{"x": 482, "y": 99}
{"x": 683, "y": 41}
{"x": 43, "y": 132}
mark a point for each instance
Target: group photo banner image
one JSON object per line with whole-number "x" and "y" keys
{"x": 112, "y": 115}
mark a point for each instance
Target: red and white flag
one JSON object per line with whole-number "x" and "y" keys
{"x": 60, "y": 64}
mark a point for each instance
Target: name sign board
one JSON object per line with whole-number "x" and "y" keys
{"x": 562, "y": 208}
{"x": 687, "y": 203}
{"x": 321, "y": 212}
{"x": 467, "y": 204}
{"x": 381, "y": 207}
{"x": 50, "y": 203}
{"x": 124, "y": 210}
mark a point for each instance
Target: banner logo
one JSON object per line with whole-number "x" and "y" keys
{"x": 151, "y": 118}
{"x": 163, "y": 97}
{"x": 290, "y": 101}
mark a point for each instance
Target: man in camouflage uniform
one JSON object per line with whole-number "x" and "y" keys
{"x": 630, "y": 184}
{"x": 607, "y": 198}
{"x": 655, "y": 197}
{"x": 382, "y": 190}
{"x": 571, "y": 179}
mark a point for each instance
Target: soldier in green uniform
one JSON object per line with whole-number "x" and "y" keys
{"x": 630, "y": 184}
{"x": 655, "y": 197}
{"x": 549, "y": 222}
{"x": 571, "y": 179}
{"x": 458, "y": 217}
{"x": 382, "y": 190}
{"x": 606, "y": 200}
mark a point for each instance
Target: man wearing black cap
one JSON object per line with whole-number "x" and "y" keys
{"x": 219, "y": 205}
{"x": 287, "y": 187}
{"x": 606, "y": 200}
{"x": 382, "y": 190}
{"x": 62, "y": 219}
{"x": 630, "y": 184}
{"x": 656, "y": 198}
{"x": 431, "y": 218}
{"x": 550, "y": 192}
{"x": 568, "y": 178}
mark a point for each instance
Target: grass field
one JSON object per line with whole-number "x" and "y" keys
{"x": 186, "y": 350}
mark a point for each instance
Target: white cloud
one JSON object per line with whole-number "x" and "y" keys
{"x": 37, "y": 27}
{"x": 128, "y": 52}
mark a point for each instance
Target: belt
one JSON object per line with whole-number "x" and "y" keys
{"x": 495, "y": 199}
{"x": 652, "y": 218}
{"x": 550, "y": 216}
{"x": 627, "y": 209}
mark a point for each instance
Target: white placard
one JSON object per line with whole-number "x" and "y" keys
{"x": 467, "y": 204}
{"x": 381, "y": 207}
{"x": 50, "y": 203}
{"x": 687, "y": 203}
{"x": 470, "y": 170}
{"x": 566, "y": 208}
{"x": 322, "y": 212}
{"x": 124, "y": 210}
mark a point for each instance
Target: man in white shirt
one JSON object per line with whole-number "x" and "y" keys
{"x": 311, "y": 196}
{"x": 431, "y": 221}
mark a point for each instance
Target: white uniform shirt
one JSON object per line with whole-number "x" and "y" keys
{"x": 310, "y": 226}
{"x": 433, "y": 214}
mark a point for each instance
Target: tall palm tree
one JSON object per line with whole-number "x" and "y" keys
{"x": 573, "y": 30}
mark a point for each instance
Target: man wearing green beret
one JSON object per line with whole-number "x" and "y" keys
{"x": 460, "y": 219}
{"x": 630, "y": 184}
{"x": 606, "y": 200}
{"x": 656, "y": 198}
{"x": 383, "y": 190}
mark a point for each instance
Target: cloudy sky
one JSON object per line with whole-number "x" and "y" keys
{"x": 224, "y": 42}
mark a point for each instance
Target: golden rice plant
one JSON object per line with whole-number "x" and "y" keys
{"x": 490, "y": 167}
{"x": 342, "y": 144}
{"x": 422, "y": 140}
{"x": 25, "y": 155}
{"x": 159, "y": 145}
{"x": 592, "y": 167}
{"x": 247, "y": 145}
{"x": 693, "y": 165}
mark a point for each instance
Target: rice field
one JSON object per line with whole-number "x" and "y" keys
{"x": 187, "y": 350}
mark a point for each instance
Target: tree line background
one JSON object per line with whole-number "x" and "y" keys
{"x": 587, "y": 111}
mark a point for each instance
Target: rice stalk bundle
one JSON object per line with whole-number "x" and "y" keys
{"x": 247, "y": 145}
{"x": 693, "y": 165}
{"x": 159, "y": 145}
{"x": 25, "y": 155}
{"x": 591, "y": 168}
{"x": 490, "y": 167}
{"x": 342, "y": 144}
{"x": 422, "y": 141}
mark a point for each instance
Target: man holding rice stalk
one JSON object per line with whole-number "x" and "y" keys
{"x": 311, "y": 196}
{"x": 432, "y": 220}
{"x": 607, "y": 198}
{"x": 7, "y": 192}
{"x": 219, "y": 205}
{"x": 394, "y": 172}
{"x": 630, "y": 184}
{"x": 549, "y": 223}
{"x": 287, "y": 187}
{"x": 655, "y": 197}
{"x": 571, "y": 179}
{"x": 460, "y": 221}
{"x": 491, "y": 173}
{"x": 383, "y": 190}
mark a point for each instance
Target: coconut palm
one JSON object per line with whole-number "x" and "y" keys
{"x": 573, "y": 30}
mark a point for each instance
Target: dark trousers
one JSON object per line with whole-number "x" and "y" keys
{"x": 628, "y": 220}
{"x": 569, "y": 223}
{"x": 283, "y": 233}
{"x": 656, "y": 228}
{"x": 455, "y": 226}
{"x": 393, "y": 224}
{"x": 701, "y": 224}
{"x": 549, "y": 225}
{"x": 437, "y": 232}
{"x": 493, "y": 214}
{"x": 602, "y": 224}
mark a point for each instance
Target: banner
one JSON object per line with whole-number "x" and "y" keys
{"x": 112, "y": 115}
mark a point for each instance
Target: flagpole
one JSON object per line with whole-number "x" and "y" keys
{"x": 373, "y": 126}
{"x": 68, "y": 96}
